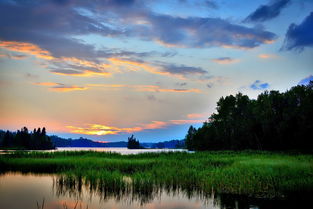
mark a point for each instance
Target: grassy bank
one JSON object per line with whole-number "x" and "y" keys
{"x": 250, "y": 173}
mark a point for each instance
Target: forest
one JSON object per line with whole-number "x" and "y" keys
{"x": 23, "y": 139}
{"x": 273, "y": 121}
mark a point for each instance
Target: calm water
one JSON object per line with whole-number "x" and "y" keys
{"x": 18, "y": 191}
{"x": 123, "y": 151}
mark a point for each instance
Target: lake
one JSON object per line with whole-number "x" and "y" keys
{"x": 25, "y": 191}
{"x": 122, "y": 150}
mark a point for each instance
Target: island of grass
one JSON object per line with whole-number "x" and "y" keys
{"x": 252, "y": 173}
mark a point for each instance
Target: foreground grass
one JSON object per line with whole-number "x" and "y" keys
{"x": 250, "y": 173}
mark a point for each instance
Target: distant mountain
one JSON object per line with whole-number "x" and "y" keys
{"x": 83, "y": 142}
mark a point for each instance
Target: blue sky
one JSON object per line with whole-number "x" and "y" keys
{"x": 108, "y": 69}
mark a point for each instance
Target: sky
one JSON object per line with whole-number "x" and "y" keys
{"x": 107, "y": 69}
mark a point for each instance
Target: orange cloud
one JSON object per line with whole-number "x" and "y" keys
{"x": 97, "y": 129}
{"x": 135, "y": 66}
{"x": 98, "y": 69}
{"x": 84, "y": 73}
{"x": 178, "y": 122}
{"x": 67, "y": 88}
{"x": 26, "y": 48}
{"x": 267, "y": 56}
{"x": 195, "y": 115}
{"x": 60, "y": 87}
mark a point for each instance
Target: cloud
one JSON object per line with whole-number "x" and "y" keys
{"x": 306, "y": 80}
{"x": 65, "y": 88}
{"x": 146, "y": 88}
{"x": 182, "y": 70}
{"x": 195, "y": 115}
{"x": 267, "y": 56}
{"x": 267, "y": 12}
{"x": 258, "y": 85}
{"x": 26, "y": 48}
{"x": 300, "y": 36}
{"x": 54, "y": 26}
{"x": 99, "y": 129}
{"x": 179, "y": 122}
{"x": 161, "y": 68}
{"x": 60, "y": 65}
{"x": 204, "y": 32}
{"x": 13, "y": 56}
{"x": 60, "y": 87}
{"x": 225, "y": 60}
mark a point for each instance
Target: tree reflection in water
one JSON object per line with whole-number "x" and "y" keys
{"x": 131, "y": 192}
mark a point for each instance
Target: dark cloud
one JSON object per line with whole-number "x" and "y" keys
{"x": 306, "y": 80}
{"x": 267, "y": 12}
{"x": 203, "y": 32}
{"x": 300, "y": 36}
{"x": 258, "y": 85}
{"x": 53, "y": 25}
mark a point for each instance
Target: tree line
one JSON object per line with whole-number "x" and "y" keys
{"x": 23, "y": 139}
{"x": 273, "y": 121}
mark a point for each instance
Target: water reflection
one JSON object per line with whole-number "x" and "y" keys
{"x": 23, "y": 191}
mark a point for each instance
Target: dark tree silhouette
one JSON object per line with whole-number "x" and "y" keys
{"x": 133, "y": 143}
{"x": 274, "y": 121}
{"x": 22, "y": 139}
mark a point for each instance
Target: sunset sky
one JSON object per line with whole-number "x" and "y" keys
{"x": 108, "y": 69}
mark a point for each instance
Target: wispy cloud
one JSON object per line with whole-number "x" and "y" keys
{"x": 146, "y": 88}
{"x": 13, "y": 56}
{"x": 225, "y": 60}
{"x": 71, "y": 66}
{"x": 26, "y": 48}
{"x": 160, "y": 68}
{"x": 65, "y": 88}
{"x": 60, "y": 87}
{"x": 196, "y": 115}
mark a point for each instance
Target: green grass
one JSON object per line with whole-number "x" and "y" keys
{"x": 250, "y": 173}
